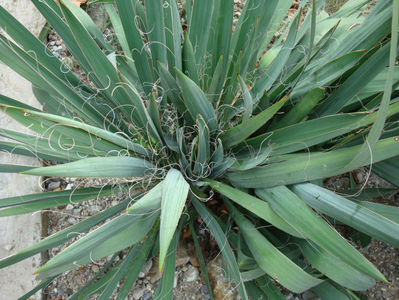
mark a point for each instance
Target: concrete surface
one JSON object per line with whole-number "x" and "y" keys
{"x": 19, "y": 232}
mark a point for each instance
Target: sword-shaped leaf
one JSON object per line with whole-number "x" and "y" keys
{"x": 239, "y": 133}
{"x": 196, "y": 101}
{"x": 174, "y": 195}
{"x": 349, "y": 212}
{"x": 64, "y": 235}
{"x": 293, "y": 210}
{"x": 115, "y": 235}
{"x": 258, "y": 207}
{"x": 30, "y": 203}
{"x": 308, "y": 166}
{"x": 270, "y": 259}
{"x": 98, "y": 167}
{"x": 335, "y": 268}
{"x": 223, "y": 243}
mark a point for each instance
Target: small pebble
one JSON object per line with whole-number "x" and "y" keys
{"x": 145, "y": 269}
{"x": 175, "y": 279}
{"x": 191, "y": 274}
{"x": 9, "y": 247}
{"x": 71, "y": 221}
{"x": 95, "y": 268}
{"x": 53, "y": 185}
{"x": 60, "y": 293}
{"x": 138, "y": 293}
{"x": 69, "y": 209}
{"x": 147, "y": 296}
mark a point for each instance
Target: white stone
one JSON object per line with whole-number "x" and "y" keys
{"x": 9, "y": 247}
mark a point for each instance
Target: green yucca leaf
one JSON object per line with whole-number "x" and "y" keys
{"x": 271, "y": 75}
{"x": 308, "y": 166}
{"x": 171, "y": 209}
{"x": 196, "y": 101}
{"x": 27, "y": 150}
{"x": 51, "y": 104}
{"x": 37, "y": 146}
{"x": 172, "y": 90}
{"x": 349, "y": 212}
{"x": 64, "y": 235}
{"x": 201, "y": 163}
{"x": 301, "y": 109}
{"x": 120, "y": 33}
{"x": 239, "y": 133}
{"x": 189, "y": 62}
{"x": 223, "y": 243}
{"x": 219, "y": 43}
{"x": 201, "y": 260}
{"x": 29, "y": 42}
{"x": 117, "y": 234}
{"x": 88, "y": 24}
{"x": 165, "y": 287}
{"x": 260, "y": 208}
{"x": 248, "y": 101}
{"x": 388, "y": 169}
{"x": 36, "y": 72}
{"x": 156, "y": 33}
{"x": 199, "y": 27}
{"x": 122, "y": 268}
{"x": 30, "y": 203}
{"x": 326, "y": 74}
{"x": 302, "y": 218}
{"x": 103, "y": 72}
{"x": 387, "y": 211}
{"x": 99, "y": 167}
{"x": 364, "y": 155}
{"x": 217, "y": 76}
{"x": 359, "y": 79}
{"x": 97, "y": 283}
{"x": 334, "y": 268}
{"x": 270, "y": 259}
{"x": 173, "y": 35}
{"x": 128, "y": 10}
{"x": 328, "y": 291}
{"x": 8, "y": 168}
{"x": 136, "y": 265}
{"x": 312, "y": 132}
{"x": 267, "y": 286}
{"x": 98, "y": 136}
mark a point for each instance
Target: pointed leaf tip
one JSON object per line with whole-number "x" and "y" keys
{"x": 174, "y": 194}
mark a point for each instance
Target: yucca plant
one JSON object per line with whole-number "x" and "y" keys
{"x": 185, "y": 108}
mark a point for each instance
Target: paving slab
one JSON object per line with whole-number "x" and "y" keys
{"x": 19, "y": 232}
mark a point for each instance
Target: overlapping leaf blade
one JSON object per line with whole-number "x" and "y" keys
{"x": 308, "y": 166}
{"x": 174, "y": 195}
{"x": 348, "y": 212}
{"x": 302, "y": 218}
{"x": 335, "y": 268}
{"x": 34, "y": 202}
{"x": 117, "y": 234}
{"x": 99, "y": 167}
{"x": 270, "y": 259}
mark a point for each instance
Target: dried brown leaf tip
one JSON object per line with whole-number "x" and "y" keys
{"x": 79, "y": 2}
